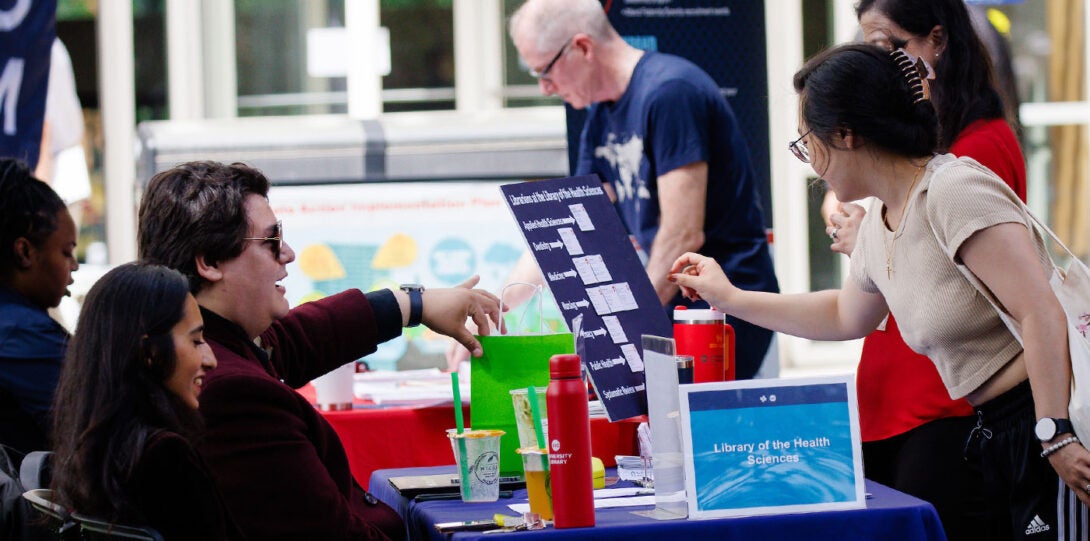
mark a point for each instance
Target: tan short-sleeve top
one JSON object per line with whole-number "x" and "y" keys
{"x": 940, "y": 313}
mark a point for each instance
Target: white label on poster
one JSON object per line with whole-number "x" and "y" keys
{"x": 633, "y": 356}
{"x": 616, "y": 331}
{"x": 571, "y": 242}
{"x": 586, "y": 270}
{"x": 601, "y": 306}
{"x": 582, "y": 218}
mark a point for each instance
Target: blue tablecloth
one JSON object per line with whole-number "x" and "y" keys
{"x": 890, "y": 516}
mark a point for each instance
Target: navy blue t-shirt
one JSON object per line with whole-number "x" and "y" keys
{"x": 673, "y": 114}
{"x": 32, "y": 346}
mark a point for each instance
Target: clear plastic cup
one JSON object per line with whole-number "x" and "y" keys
{"x": 524, "y": 418}
{"x": 480, "y": 475}
{"x": 535, "y": 464}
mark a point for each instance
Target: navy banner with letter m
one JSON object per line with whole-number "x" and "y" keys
{"x": 27, "y": 28}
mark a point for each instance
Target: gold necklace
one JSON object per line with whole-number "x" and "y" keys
{"x": 891, "y": 245}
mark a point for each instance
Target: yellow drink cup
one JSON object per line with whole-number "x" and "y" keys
{"x": 535, "y": 464}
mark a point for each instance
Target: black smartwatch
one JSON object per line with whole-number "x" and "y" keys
{"x": 1048, "y": 428}
{"x": 416, "y": 303}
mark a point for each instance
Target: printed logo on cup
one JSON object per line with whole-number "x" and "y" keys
{"x": 556, "y": 445}
{"x": 487, "y": 468}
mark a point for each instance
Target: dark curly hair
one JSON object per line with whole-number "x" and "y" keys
{"x": 197, "y": 208}
{"x": 28, "y": 209}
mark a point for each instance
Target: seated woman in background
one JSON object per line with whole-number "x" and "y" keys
{"x": 37, "y": 258}
{"x": 126, "y": 409}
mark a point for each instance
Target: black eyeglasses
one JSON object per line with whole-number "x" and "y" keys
{"x": 544, "y": 73}
{"x": 276, "y": 241}
{"x": 798, "y": 148}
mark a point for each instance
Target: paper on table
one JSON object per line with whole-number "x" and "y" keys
{"x": 634, "y": 468}
{"x": 408, "y": 387}
{"x": 595, "y": 408}
{"x": 604, "y": 503}
{"x": 604, "y": 493}
{"x": 634, "y": 501}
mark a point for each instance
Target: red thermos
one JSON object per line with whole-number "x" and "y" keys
{"x": 705, "y": 334}
{"x": 569, "y": 444}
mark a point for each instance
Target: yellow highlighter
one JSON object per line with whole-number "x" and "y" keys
{"x": 506, "y": 521}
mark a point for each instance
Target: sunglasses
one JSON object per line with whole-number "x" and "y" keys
{"x": 276, "y": 241}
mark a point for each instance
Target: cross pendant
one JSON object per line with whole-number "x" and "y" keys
{"x": 889, "y": 271}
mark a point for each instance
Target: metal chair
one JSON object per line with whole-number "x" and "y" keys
{"x": 34, "y": 470}
{"x": 78, "y": 526}
{"x": 94, "y": 528}
{"x": 59, "y": 520}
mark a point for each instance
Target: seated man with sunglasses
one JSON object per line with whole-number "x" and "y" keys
{"x": 280, "y": 466}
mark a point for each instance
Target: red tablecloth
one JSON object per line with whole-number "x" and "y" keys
{"x": 402, "y": 437}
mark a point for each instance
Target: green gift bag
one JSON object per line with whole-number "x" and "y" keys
{"x": 509, "y": 362}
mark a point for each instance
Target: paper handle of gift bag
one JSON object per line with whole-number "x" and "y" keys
{"x": 540, "y": 307}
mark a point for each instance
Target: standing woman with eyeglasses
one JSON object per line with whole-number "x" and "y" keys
{"x": 870, "y": 132}
{"x": 37, "y": 259}
{"x": 126, "y": 409}
{"x": 907, "y": 419}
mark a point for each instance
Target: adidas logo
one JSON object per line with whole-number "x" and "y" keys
{"x": 1037, "y": 526}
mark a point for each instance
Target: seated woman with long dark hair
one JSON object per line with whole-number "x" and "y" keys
{"x": 126, "y": 409}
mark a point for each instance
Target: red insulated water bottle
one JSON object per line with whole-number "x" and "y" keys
{"x": 704, "y": 334}
{"x": 569, "y": 444}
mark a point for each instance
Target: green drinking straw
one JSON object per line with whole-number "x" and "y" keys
{"x": 460, "y": 423}
{"x": 535, "y": 412}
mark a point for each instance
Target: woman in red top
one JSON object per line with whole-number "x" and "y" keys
{"x": 913, "y": 433}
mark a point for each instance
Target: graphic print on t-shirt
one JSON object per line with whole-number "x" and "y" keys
{"x": 625, "y": 159}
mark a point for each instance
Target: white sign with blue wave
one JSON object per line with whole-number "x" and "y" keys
{"x": 770, "y": 446}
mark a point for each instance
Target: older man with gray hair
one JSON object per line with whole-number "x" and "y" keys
{"x": 665, "y": 143}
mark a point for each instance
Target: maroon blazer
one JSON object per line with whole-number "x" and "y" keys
{"x": 280, "y": 466}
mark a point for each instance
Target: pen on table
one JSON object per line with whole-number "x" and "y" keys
{"x": 451, "y": 496}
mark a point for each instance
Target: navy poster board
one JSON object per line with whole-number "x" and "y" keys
{"x": 592, "y": 269}
{"x": 726, "y": 38}
{"x": 27, "y": 29}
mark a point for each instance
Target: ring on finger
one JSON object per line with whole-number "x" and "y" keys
{"x": 1087, "y": 488}
{"x": 833, "y": 234}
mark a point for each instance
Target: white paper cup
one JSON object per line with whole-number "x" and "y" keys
{"x": 333, "y": 391}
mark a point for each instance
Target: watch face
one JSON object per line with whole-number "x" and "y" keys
{"x": 1045, "y": 429}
